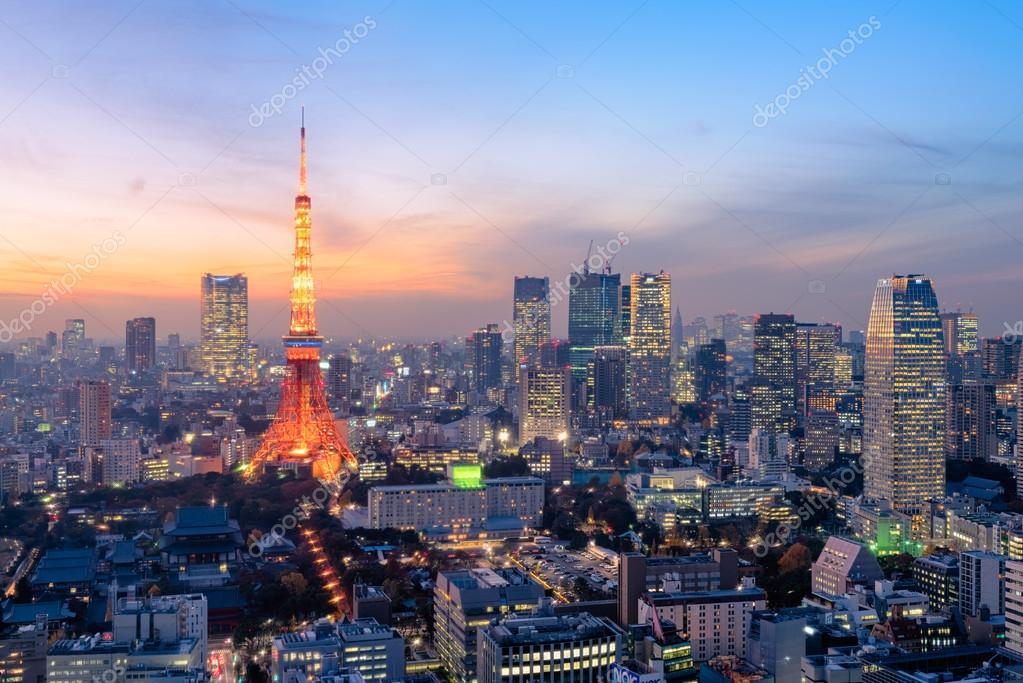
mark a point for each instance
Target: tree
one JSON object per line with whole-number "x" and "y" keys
{"x": 796, "y": 558}
{"x": 295, "y": 583}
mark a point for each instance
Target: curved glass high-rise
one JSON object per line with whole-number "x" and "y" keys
{"x": 904, "y": 395}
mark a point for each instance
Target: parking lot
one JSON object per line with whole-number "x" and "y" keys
{"x": 561, "y": 568}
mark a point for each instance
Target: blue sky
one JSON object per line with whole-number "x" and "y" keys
{"x": 455, "y": 145}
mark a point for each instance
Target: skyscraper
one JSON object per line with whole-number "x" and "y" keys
{"x": 545, "y": 402}
{"x": 711, "y": 369}
{"x": 650, "y": 348}
{"x": 483, "y": 351}
{"x": 816, "y": 347}
{"x": 339, "y": 382}
{"x": 960, "y": 332}
{"x": 224, "y": 333}
{"x": 72, "y": 341}
{"x": 594, "y": 317}
{"x": 773, "y": 390}
{"x": 94, "y": 413}
{"x": 904, "y": 395}
{"x": 140, "y": 344}
{"x": 606, "y": 389}
{"x": 970, "y": 421}
{"x": 531, "y": 317}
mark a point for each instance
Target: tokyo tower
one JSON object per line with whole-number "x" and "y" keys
{"x": 303, "y": 435}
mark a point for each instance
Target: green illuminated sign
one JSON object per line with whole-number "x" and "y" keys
{"x": 466, "y": 475}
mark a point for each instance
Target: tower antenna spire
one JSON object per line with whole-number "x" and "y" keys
{"x": 302, "y": 163}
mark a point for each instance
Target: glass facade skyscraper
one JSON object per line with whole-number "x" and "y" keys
{"x": 904, "y": 395}
{"x": 531, "y": 317}
{"x": 140, "y": 344}
{"x": 224, "y": 333}
{"x": 773, "y": 390}
{"x": 594, "y": 318}
{"x": 650, "y": 348}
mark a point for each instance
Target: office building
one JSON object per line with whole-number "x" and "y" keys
{"x": 970, "y": 412}
{"x": 575, "y": 648}
{"x": 843, "y": 564}
{"x": 773, "y": 388}
{"x": 981, "y": 582}
{"x": 224, "y": 326}
{"x": 376, "y": 652}
{"x": 162, "y": 618}
{"x": 370, "y": 602}
{"x": 904, "y": 395}
{"x": 938, "y": 578}
{"x": 717, "y": 622}
{"x": 545, "y": 403}
{"x": 140, "y": 344}
{"x": 483, "y": 354}
{"x": 650, "y": 349}
{"x": 531, "y": 317}
{"x": 815, "y": 348}
{"x": 72, "y": 340}
{"x": 548, "y": 460}
{"x": 459, "y": 508}
{"x": 339, "y": 383}
{"x": 607, "y": 382}
{"x": 639, "y": 574}
{"x": 777, "y": 643}
{"x": 960, "y": 333}
{"x": 23, "y": 651}
{"x": 466, "y": 600}
{"x": 94, "y": 412}
{"x": 94, "y": 658}
{"x": 594, "y": 317}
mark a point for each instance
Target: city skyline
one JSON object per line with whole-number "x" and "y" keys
{"x": 434, "y": 194}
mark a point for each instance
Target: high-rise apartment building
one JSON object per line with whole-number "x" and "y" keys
{"x": 531, "y": 317}
{"x": 594, "y": 317}
{"x": 545, "y": 403}
{"x": 1014, "y": 606}
{"x": 981, "y": 582}
{"x": 904, "y": 395}
{"x": 224, "y": 326}
{"x": 140, "y": 344}
{"x": 773, "y": 389}
{"x": 483, "y": 351}
{"x": 650, "y": 348}
{"x": 94, "y": 412}
{"x": 970, "y": 421}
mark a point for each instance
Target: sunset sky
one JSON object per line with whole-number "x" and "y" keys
{"x": 457, "y": 145}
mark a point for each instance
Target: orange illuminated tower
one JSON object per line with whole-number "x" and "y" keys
{"x": 303, "y": 435}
